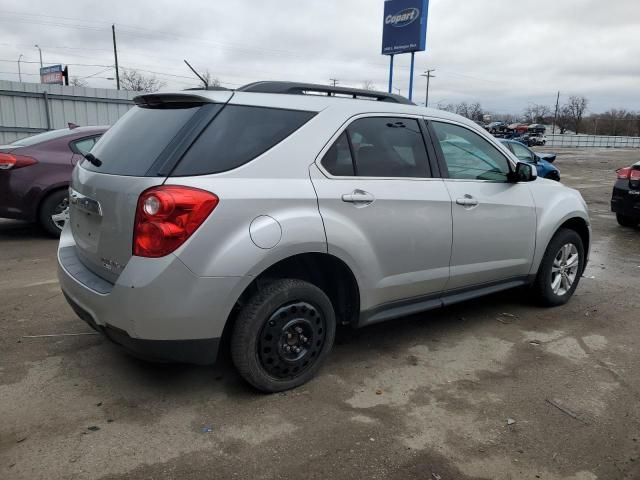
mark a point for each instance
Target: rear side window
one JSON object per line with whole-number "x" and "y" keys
{"x": 337, "y": 161}
{"x": 380, "y": 147}
{"x": 85, "y": 145}
{"x": 237, "y": 135}
{"x": 134, "y": 143}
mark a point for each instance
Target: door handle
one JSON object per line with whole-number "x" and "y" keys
{"x": 467, "y": 201}
{"x": 359, "y": 197}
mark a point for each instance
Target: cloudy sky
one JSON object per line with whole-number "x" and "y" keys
{"x": 502, "y": 53}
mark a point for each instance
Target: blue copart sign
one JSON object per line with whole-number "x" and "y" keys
{"x": 404, "y": 26}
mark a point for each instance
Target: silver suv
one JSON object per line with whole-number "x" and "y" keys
{"x": 269, "y": 215}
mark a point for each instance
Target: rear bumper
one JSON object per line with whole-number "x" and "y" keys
{"x": 157, "y": 308}
{"x": 624, "y": 200}
{"x": 202, "y": 351}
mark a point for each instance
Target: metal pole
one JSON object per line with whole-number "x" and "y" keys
{"x": 390, "y": 73}
{"x": 40, "y": 52}
{"x": 413, "y": 54}
{"x": 115, "y": 54}
{"x": 19, "y": 72}
{"x": 555, "y": 117}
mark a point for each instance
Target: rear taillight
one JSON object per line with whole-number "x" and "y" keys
{"x": 623, "y": 173}
{"x": 166, "y": 216}
{"x": 9, "y": 161}
{"x": 634, "y": 175}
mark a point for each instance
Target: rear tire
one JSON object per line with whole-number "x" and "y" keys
{"x": 626, "y": 221}
{"x": 283, "y": 335}
{"x": 560, "y": 269}
{"x": 52, "y": 211}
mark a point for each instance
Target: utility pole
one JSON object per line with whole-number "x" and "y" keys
{"x": 19, "y": 72}
{"x": 115, "y": 54}
{"x": 429, "y": 77}
{"x": 334, "y": 81}
{"x": 555, "y": 116}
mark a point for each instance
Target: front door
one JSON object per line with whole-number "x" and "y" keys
{"x": 494, "y": 220}
{"x": 384, "y": 214}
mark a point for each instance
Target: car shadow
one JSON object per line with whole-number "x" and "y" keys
{"x": 19, "y": 230}
{"x": 178, "y": 381}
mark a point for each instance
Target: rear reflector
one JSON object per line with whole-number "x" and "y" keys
{"x": 166, "y": 217}
{"x": 11, "y": 162}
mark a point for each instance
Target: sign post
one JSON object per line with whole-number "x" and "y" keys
{"x": 404, "y": 30}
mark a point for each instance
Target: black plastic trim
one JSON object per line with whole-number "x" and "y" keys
{"x": 391, "y": 310}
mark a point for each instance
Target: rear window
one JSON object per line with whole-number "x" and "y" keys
{"x": 136, "y": 141}
{"x": 42, "y": 137}
{"x": 237, "y": 135}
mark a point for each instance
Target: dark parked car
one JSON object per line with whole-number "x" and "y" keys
{"x": 625, "y": 200}
{"x": 542, "y": 161}
{"x": 35, "y": 173}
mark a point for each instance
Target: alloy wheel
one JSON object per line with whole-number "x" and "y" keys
{"x": 564, "y": 269}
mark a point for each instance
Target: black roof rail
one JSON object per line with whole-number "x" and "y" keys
{"x": 295, "y": 88}
{"x": 210, "y": 87}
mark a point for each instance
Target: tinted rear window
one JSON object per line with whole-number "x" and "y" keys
{"x": 42, "y": 137}
{"x": 237, "y": 135}
{"x": 135, "y": 142}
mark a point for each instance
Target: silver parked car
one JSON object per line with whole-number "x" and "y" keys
{"x": 270, "y": 214}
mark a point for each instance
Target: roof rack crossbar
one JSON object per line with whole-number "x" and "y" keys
{"x": 294, "y": 88}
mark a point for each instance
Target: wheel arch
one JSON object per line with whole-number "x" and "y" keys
{"x": 44, "y": 194}
{"x": 328, "y": 272}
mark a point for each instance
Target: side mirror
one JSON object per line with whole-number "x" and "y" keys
{"x": 525, "y": 172}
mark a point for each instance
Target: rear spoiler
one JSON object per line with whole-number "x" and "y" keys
{"x": 172, "y": 100}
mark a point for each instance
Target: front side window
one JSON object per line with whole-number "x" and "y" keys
{"x": 469, "y": 156}
{"x": 522, "y": 152}
{"x": 379, "y": 147}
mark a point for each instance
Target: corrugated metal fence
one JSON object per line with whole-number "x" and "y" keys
{"x": 30, "y": 108}
{"x": 607, "y": 141}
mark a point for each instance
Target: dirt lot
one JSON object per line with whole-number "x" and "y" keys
{"x": 495, "y": 388}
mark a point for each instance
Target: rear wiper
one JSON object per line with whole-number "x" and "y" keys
{"x": 93, "y": 159}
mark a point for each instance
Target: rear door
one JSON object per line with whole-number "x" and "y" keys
{"x": 134, "y": 155}
{"x": 383, "y": 211}
{"x": 494, "y": 220}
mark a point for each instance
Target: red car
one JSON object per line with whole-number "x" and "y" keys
{"x": 35, "y": 173}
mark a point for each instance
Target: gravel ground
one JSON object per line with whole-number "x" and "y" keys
{"x": 492, "y": 389}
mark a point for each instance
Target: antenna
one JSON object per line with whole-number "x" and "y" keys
{"x": 206, "y": 84}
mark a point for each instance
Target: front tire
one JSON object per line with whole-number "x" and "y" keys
{"x": 283, "y": 335}
{"x": 54, "y": 212}
{"x": 560, "y": 269}
{"x": 625, "y": 221}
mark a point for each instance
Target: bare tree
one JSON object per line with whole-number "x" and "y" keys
{"x": 133, "y": 80}
{"x": 210, "y": 79}
{"x": 78, "y": 82}
{"x": 368, "y": 85}
{"x": 535, "y": 113}
{"x": 563, "y": 120}
{"x": 576, "y": 108}
{"x": 471, "y": 111}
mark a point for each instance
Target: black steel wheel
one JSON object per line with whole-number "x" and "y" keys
{"x": 290, "y": 340}
{"x": 283, "y": 334}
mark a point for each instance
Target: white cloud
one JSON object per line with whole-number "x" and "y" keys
{"x": 502, "y": 53}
